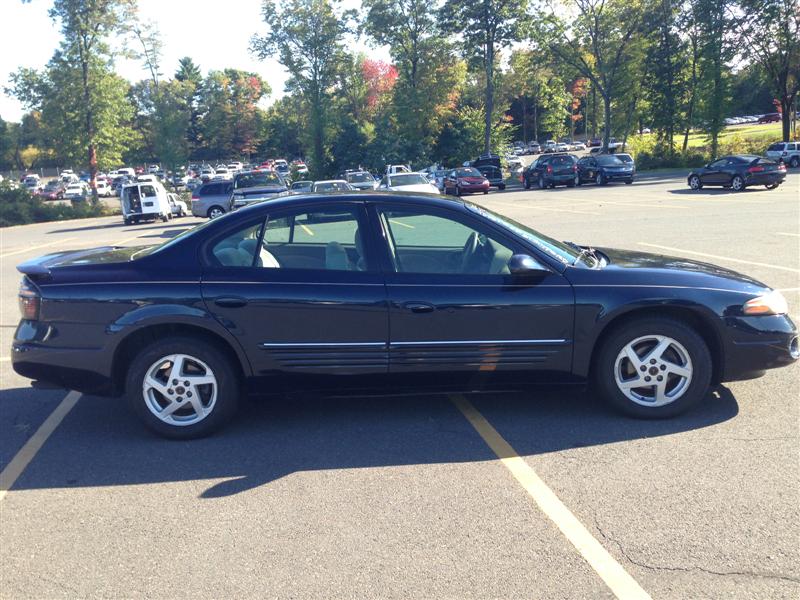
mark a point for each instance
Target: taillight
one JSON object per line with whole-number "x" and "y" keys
{"x": 574, "y": 168}
{"x": 29, "y": 301}
{"x": 781, "y": 166}
{"x": 549, "y": 169}
{"x": 195, "y": 197}
{"x": 757, "y": 169}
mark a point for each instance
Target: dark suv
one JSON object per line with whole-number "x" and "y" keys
{"x": 250, "y": 186}
{"x": 551, "y": 170}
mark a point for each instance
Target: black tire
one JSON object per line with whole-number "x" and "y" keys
{"x": 526, "y": 182}
{"x": 771, "y": 186}
{"x": 794, "y": 162}
{"x": 603, "y": 367}
{"x": 227, "y": 386}
{"x": 126, "y": 220}
{"x": 458, "y": 191}
{"x": 502, "y": 186}
{"x": 600, "y": 179}
{"x": 215, "y": 212}
{"x": 542, "y": 184}
{"x": 571, "y": 183}
{"x": 486, "y": 192}
{"x": 628, "y": 181}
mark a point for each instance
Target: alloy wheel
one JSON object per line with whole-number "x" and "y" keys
{"x": 180, "y": 389}
{"x": 653, "y": 370}
{"x": 694, "y": 182}
{"x": 737, "y": 184}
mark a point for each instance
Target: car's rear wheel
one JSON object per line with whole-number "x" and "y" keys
{"x": 737, "y": 183}
{"x": 215, "y": 212}
{"x": 542, "y": 184}
{"x": 653, "y": 368}
{"x": 795, "y": 162}
{"x": 182, "y": 388}
{"x": 526, "y": 182}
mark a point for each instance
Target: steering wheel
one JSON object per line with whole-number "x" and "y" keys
{"x": 470, "y": 248}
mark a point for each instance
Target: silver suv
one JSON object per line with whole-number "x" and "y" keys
{"x": 785, "y": 152}
{"x": 212, "y": 199}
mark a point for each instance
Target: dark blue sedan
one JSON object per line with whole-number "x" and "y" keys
{"x": 386, "y": 291}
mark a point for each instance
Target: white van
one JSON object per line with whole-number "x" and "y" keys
{"x": 143, "y": 201}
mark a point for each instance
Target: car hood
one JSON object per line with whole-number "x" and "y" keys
{"x": 657, "y": 269}
{"x": 363, "y": 185}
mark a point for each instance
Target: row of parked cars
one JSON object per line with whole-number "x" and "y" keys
{"x": 550, "y": 170}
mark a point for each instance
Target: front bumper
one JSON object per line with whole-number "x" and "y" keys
{"x": 473, "y": 188}
{"x": 756, "y": 344}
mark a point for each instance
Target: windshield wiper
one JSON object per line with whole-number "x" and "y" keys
{"x": 588, "y": 251}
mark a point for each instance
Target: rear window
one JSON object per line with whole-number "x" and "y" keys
{"x": 608, "y": 161}
{"x": 563, "y": 160}
{"x": 215, "y": 189}
{"x": 360, "y": 178}
{"x": 468, "y": 172}
{"x": 263, "y": 178}
{"x": 407, "y": 179}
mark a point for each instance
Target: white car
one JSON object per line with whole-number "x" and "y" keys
{"x": 153, "y": 169}
{"x": 562, "y": 147}
{"x": 222, "y": 174}
{"x": 32, "y": 182}
{"x": 147, "y": 178}
{"x": 577, "y": 146}
{"x": 393, "y": 169}
{"x": 408, "y": 182}
{"x": 178, "y": 206}
{"x": 332, "y": 185}
{"x": 76, "y": 191}
{"x": 785, "y": 152}
{"x": 103, "y": 189}
{"x": 235, "y": 166}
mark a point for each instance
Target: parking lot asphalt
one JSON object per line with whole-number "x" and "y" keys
{"x": 402, "y": 497}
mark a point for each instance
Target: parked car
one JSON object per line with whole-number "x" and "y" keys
{"x": 549, "y": 146}
{"x": 534, "y": 148}
{"x": 32, "y": 182}
{"x": 551, "y": 170}
{"x": 53, "y": 190}
{"x": 562, "y": 147}
{"x": 212, "y": 199}
{"x": 603, "y": 169}
{"x": 206, "y": 174}
{"x": 595, "y": 142}
{"x": 332, "y": 185}
{"x": 770, "y": 118}
{"x": 494, "y": 175}
{"x": 76, "y": 191}
{"x": 577, "y": 146}
{"x": 392, "y": 169}
{"x": 270, "y": 298}
{"x": 300, "y": 187}
{"x": 251, "y": 186}
{"x": 437, "y": 178}
{"x": 785, "y": 152}
{"x": 177, "y": 206}
{"x": 361, "y": 180}
{"x": 408, "y": 182}
{"x": 222, "y": 173}
{"x": 103, "y": 189}
{"x": 465, "y": 180}
{"x": 738, "y": 172}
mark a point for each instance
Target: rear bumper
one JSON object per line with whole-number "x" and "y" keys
{"x": 770, "y": 178}
{"x": 756, "y": 344}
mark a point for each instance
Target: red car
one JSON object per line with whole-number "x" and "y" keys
{"x": 465, "y": 180}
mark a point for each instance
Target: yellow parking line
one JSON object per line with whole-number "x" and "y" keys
{"x": 29, "y": 248}
{"x": 401, "y": 224}
{"x": 28, "y": 452}
{"x": 726, "y": 258}
{"x": 307, "y": 229}
{"x": 619, "y": 581}
{"x": 789, "y": 234}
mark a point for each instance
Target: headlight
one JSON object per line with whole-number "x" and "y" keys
{"x": 771, "y": 303}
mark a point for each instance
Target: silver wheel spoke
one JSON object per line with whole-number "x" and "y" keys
{"x": 677, "y": 369}
{"x": 169, "y": 409}
{"x": 633, "y": 357}
{"x": 177, "y": 367}
{"x": 199, "y": 379}
{"x": 661, "y": 392}
{"x": 180, "y": 391}
{"x": 155, "y": 384}
{"x": 633, "y": 383}
{"x": 197, "y": 405}
{"x": 659, "y": 349}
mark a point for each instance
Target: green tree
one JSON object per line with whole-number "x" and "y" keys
{"x": 485, "y": 28}
{"x": 307, "y": 38}
{"x": 770, "y": 33}
{"x": 189, "y": 73}
{"x": 596, "y": 38}
{"x": 170, "y": 121}
{"x": 85, "y": 27}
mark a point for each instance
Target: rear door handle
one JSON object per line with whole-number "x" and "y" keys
{"x": 230, "y": 302}
{"x": 419, "y": 307}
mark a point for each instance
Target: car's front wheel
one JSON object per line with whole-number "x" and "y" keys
{"x": 600, "y": 180}
{"x": 182, "y": 388}
{"x": 215, "y": 212}
{"x": 653, "y": 368}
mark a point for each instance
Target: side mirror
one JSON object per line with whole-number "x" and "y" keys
{"x": 523, "y": 264}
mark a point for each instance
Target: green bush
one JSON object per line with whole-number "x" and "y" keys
{"x": 19, "y": 207}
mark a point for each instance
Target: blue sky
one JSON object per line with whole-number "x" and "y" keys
{"x": 215, "y": 35}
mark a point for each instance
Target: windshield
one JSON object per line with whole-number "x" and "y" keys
{"x": 408, "y": 179}
{"x": 468, "y": 172}
{"x": 302, "y": 185}
{"x": 248, "y": 180}
{"x": 360, "y": 178}
{"x": 609, "y": 161}
{"x": 331, "y": 186}
{"x": 558, "y": 250}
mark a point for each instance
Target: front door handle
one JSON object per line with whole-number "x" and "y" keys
{"x": 230, "y": 302}
{"x": 419, "y": 307}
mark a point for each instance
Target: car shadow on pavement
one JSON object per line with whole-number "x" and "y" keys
{"x": 100, "y": 443}
{"x": 716, "y": 191}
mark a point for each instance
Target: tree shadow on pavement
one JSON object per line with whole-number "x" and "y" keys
{"x": 101, "y": 444}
